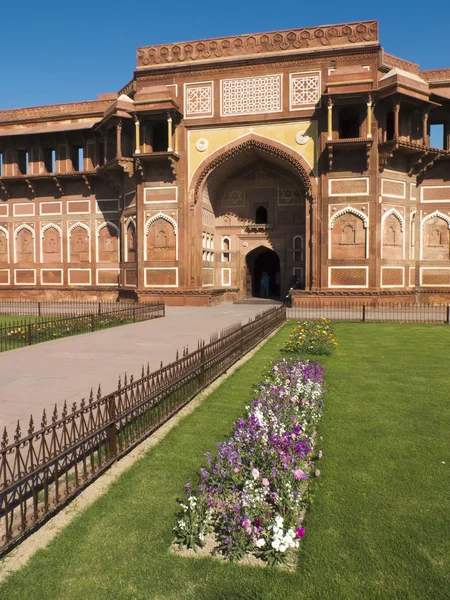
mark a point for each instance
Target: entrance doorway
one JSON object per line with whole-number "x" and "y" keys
{"x": 263, "y": 273}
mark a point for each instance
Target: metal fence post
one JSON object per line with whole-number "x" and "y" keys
{"x": 363, "y": 313}
{"x": 93, "y": 322}
{"x": 99, "y": 308}
{"x": 29, "y": 340}
{"x": 39, "y": 309}
{"x": 202, "y": 366}
{"x": 112, "y": 431}
{"x": 134, "y": 315}
{"x": 447, "y": 319}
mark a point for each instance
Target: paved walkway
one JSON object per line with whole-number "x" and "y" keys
{"x": 35, "y": 377}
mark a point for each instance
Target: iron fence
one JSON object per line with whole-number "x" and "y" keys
{"x": 53, "y": 308}
{"x": 400, "y": 313}
{"x": 23, "y": 332}
{"x": 42, "y": 470}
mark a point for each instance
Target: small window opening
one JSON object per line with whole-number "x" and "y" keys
{"x": 349, "y": 122}
{"x": 50, "y": 160}
{"x": 23, "y": 161}
{"x": 390, "y": 126}
{"x": 437, "y": 136}
{"x": 77, "y": 157}
{"x": 261, "y": 215}
{"x": 160, "y": 139}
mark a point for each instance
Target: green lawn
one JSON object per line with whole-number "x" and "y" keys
{"x": 379, "y": 526}
{"x": 7, "y": 319}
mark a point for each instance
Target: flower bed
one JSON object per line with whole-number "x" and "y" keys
{"x": 311, "y": 336}
{"x": 252, "y": 498}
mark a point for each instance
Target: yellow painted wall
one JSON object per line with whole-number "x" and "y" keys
{"x": 283, "y": 133}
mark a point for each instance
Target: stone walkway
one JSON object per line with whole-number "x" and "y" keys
{"x": 37, "y": 377}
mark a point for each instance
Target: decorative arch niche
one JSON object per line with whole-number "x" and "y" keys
{"x": 161, "y": 238}
{"x": 348, "y": 234}
{"x": 51, "y": 244}
{"x": 435, "y": 238}
{"x": 79, "y": 243}
{"x": 108, "y": 243}
{"x": 4, "y": 246}
{"x": 24, "y": 244}
{"x": 393, "y": 226}
{"x": 130, "y": 241}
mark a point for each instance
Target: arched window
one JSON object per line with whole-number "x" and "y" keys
{"x": 261, "y": 215}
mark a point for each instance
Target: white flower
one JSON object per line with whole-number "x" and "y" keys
{"x": 260, "y": 543}
{"x": 283, "y": 548}
{"x": 276, "y": 544}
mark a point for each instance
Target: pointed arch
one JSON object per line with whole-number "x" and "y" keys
{"x": 152, "y": 220}
{"x": 357, "y": 213}
{"x": 4, "y": 231}
{"x": 72, "y": 228}
{"x": 394, "y": 211}
{"x": 281, "y": 153}
{"x": 42, "y": 238}
{"x": 397, "y": 214}
{"x": 353, "y": 211}
{"x": 433, "y": 215}
{"x": 17, "y": 231}
{"x": 110, "y": 225}
{"x": 129, "y": 244}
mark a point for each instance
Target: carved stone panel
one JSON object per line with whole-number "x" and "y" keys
{"x": 108, "y": 246}
{"x": 79, "y": 245}
{"x": 348, "y": 237}
{"x": 436, "y": 240}
{"x": 25, "y": 246}
{"x": 161, "y": 241}
{"x": 392, "y": 238}
{"x": 51, "y": 245}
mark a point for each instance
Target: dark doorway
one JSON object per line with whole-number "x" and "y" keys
{"x": 263, "y": 267}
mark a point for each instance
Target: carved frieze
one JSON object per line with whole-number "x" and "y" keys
{"x": 265, "y": 43}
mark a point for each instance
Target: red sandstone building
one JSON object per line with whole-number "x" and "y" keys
{"x": 303, "y": 153}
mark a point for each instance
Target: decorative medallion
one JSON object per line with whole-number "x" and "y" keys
{"x": 201, "y": 144}
{"x": 301, "y": 138}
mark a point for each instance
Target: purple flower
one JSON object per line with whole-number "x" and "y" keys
{"x": 300, "y": 532}
{"x": 255, "y": 473}
{"x": 265, "y": 482}
{"x": 299, "y": 474}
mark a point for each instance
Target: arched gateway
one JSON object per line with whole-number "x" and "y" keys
{"x": 252, "y": 215}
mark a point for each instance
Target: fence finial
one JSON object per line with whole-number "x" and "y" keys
{"x": 161, "y": 365}
{"x": 31, "y": 426}
{"x": 91, "y": 396}
{"x": 177, "y": 356}
{"x": 99, "y": 392}
{"x": 64, "y": 410}
{"x": 125, "y": 380}
{"x": 5, "y": 439}
{"x": 119, "y": 383}
{"x": 142, "y": 372}
{"x": 148, "y": 369}
{"x": 44, "y": 419}
{"x": 131, "y": 378}
{"x": 18, "y": 433}
{"x": 74, "y": 407}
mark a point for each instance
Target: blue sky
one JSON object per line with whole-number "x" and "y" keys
{"x": 65, "y": 52}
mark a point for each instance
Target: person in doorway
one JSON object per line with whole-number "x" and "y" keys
{"x": 265, "y": 283}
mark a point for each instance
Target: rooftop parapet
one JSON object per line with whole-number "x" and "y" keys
{"x": 273, "y": 42}
{"x": 55, "y": 111}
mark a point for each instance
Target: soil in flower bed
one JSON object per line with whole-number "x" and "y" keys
{"x": 211, "y": 548}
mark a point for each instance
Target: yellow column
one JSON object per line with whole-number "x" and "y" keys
{"x": 169, "y": 133}
{"x": 176, "y": 140}
{"x": 137, "y": 130}
{"x": 330, "y": 119}
{"x": 369, "y": 116}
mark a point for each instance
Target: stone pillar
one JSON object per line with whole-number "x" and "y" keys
{"x": 137, "y": 136}
{"x": 425, "y": 139}
{"x": 119, "y": 139}
{"x": 330, "y": 119}
{"x": 169, "y": 133}
{"x": 313, "y": 245}
{"x": 105, "y": 148}
{"x": 369, "y": 117}
{"x": 396, "y": 119}
{"x": 176, "y": 140}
